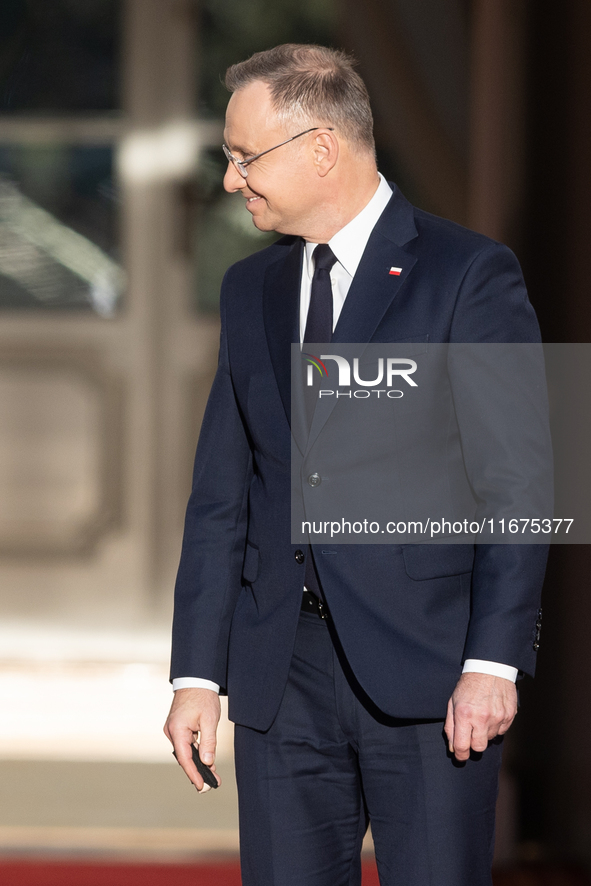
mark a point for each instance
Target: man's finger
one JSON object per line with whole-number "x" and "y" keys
{"x": 501, "y": 726}
{"x": 183, "y": 752}
{"x": 479, "y": 740}
{"x": 206, "y": 787}
{"x": 462, "y": 740}
{"x": 449, "y": 726}
{"x": 462, "y": 731}
{"x": 185, "y": 759}
{"x": 207, "y": 742}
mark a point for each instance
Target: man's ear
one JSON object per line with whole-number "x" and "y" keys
{"x": 326, "y": 151}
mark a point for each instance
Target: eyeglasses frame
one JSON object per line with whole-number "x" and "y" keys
{"x": 242, "y": 164}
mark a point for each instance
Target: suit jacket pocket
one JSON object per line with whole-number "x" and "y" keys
{"x": 250, "y": 570}
{"x": 423, "y": 562}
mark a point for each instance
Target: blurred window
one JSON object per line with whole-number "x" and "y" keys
{"x": 59, "y": 89}
{"x": 58, "y": 228}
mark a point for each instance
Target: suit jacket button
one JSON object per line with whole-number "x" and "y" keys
{"x": 299, "y": 556}
{"x": 314, "y": 479}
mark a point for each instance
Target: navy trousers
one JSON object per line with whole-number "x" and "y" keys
{"x": 332, "y": 762}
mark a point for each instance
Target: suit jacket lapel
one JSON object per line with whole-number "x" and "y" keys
{"x": 371, "y": 293}
{"x": 373, "y": 288}
{"x": 281, "y": 299}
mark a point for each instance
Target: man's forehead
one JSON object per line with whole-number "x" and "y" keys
{"x": 249, "y": 117}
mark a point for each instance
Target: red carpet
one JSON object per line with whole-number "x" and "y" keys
{"x": 53, "y": 873}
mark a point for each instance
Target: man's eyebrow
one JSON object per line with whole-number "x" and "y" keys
{"x": 240, "y": 149}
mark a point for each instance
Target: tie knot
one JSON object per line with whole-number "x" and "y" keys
{"x": 324, "y": 257}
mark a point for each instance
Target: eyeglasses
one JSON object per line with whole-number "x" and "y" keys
{"x": 242, "y": 164}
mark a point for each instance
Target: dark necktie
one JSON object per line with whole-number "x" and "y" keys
{"x": 319, "y": 320}
{"x": 319, "y": 330}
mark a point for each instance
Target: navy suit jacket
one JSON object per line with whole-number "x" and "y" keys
{"x": 407, "y": 615}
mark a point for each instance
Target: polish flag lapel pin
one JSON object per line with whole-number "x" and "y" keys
{"x": 395, "y": 272}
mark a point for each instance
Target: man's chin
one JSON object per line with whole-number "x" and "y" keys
{"x": 261, "y": 225}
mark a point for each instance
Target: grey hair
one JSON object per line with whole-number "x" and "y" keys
{"x": 311, "y": 84}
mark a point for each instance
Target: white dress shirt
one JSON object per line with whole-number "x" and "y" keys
{"x": 348, "y": 246}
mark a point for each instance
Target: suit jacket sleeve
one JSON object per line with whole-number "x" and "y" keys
{"x": 209, "y": 575}
{"x": 507, "y": 578}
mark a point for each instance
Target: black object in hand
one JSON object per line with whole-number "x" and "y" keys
{"x": 203, "y": 770}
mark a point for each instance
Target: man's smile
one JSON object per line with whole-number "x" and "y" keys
{"x": 251, "y": 202}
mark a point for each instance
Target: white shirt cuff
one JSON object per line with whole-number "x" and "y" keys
{"x": 193, "y": 683}
{"x": 494, "y": 668}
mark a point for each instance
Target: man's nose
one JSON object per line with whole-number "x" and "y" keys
{"x": 233, "y": 181}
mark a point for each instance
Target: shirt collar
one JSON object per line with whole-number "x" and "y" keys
{"x": 349, "y": 243}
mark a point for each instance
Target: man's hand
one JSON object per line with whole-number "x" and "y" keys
{"x": 194, "y": 715}
{"x": 481, "y": 707}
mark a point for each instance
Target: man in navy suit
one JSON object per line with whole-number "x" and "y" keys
{"x": 366, "y": 682}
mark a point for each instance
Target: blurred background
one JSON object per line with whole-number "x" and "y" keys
{"x": 114, "y": 236}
